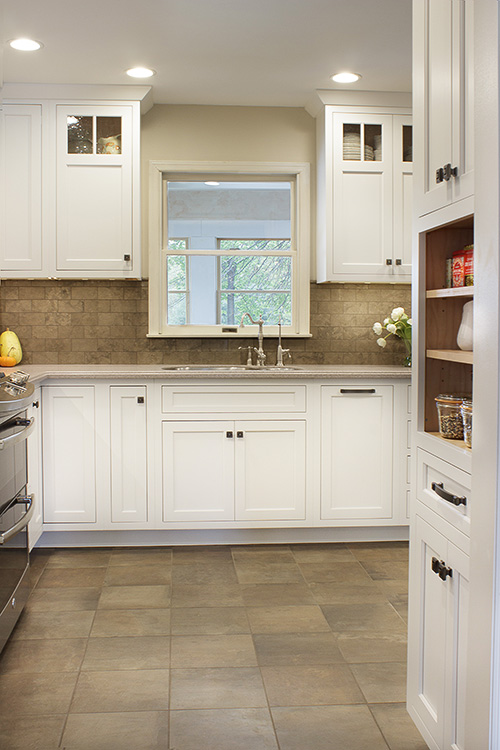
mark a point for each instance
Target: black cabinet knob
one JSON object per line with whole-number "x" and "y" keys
{"x": 229, "y": 434}
{"x": 140, "y": 399}
{"x": 239, "y": 434}
{"x": 440, "y": 568}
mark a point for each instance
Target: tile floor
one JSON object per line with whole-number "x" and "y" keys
{"x": 288, "y": 647}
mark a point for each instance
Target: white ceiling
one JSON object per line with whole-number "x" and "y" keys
{"x": 232, "y": 52}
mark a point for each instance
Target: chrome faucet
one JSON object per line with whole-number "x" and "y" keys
{"x": 281, "y": 351}
{"x": 261, "y": 356}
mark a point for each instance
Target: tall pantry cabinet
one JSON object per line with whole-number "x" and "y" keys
{"x": 454, "y": 496}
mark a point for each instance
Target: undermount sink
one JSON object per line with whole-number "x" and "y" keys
{"x": 227, "y": 368}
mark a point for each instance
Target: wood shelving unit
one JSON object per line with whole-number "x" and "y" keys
{"x": 455, "y": 443}
{"x": 460, "y": 291}
{"x": 451, "y": 355}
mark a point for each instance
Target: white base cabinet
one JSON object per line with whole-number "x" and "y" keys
{"x": 35, "y": 475}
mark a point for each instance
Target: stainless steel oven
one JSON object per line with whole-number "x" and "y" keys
{"x": 16, "y": 508}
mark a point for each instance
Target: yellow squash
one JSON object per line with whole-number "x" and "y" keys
{"x": 10, "y": 346}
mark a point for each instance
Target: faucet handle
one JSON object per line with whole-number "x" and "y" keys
{"x": 281, "y": 352}
{"x": 249, "y": 354}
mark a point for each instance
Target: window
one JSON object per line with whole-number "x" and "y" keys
{"x": 228, "y": 239}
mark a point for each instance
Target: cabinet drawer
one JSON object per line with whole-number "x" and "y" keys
{"x": 445, "y": 489}
{"x": 197, "y": 399}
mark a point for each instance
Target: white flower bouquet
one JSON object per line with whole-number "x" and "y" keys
{"x": 398, "y": 324}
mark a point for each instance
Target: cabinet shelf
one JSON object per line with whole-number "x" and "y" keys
{"x": 451, "y": 355}
{"x": 455, "y": 443}
{"x": 460, "y": 291}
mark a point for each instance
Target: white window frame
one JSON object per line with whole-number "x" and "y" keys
{"x": 299, "y": 173}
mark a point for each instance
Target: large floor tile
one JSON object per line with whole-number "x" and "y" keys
{"x": 387, "y": 571}
{"x": 209, "y": 621}
{"x": 63, "y": 600}
{"x": 42, "y": 656}
{"x": 237, "y": 687}
{"x": 161, "y": 556}
{"x": 346, "y": 593}
{"x": 364, "y": 647}
{"x": 300, "y": 619}
{"x": 211, "y": 595}
{"x": 139, "y": 652}
{"x": 79, "y": 558}
{"x": 276, "y": 594}
{"x": 277, "y": 553}
{"x": 35, "y": 694}
{"x": 398, "y": 729}
{"x": 42, "y": 625}
{"x": 222, "y": 729}
{"x": 109, "y": 623}
{"x": 380, "y": 551}
{"x": 137, "y": 575}
{"x": 373, "y": 616}
{"x": 268, "y": 572}
{"x": 31, "y": 732}
{"x": 71, "y": 577}
{"x": 134, "y": 597}
{"x": 383, "y": 682}
{"x": 204, "y": 573}
{"x": 213, "y": 651}
{"x": 141, "y": 730}
{"x": 327, "y": 728}
{"x": 197, "y": 554}
{"x": 137, "y": 690}
{"x": 335, "y": 572}
{"x": 287, "y": 649}
{"x": 311, "y": 686}
{"x": 321, "y": 553}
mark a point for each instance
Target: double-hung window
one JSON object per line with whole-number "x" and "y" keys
{"x": 226, "y": 239}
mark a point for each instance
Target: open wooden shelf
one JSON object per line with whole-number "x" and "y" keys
{"x": 451, "y": 355}
{"x": 455, "y": 443}
{"x": 459, "y": 291}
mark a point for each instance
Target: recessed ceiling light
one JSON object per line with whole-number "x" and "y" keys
{"x": 141, "y": 72}
{"x": 25, "y": 45}
{"x": 345, "y": 77}
{"x": 212, "y": 182}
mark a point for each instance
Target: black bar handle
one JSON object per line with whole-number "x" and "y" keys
{"x": 439, "y": 489}
{"x": 440, "y": 568}
{"x": 358, "y": 390}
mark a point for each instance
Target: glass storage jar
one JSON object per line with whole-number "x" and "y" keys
{"x": 466, "y": 411}
{"x": 451, "y": 425}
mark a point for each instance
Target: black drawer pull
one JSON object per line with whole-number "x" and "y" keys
{"x": 358, "y": 390}
{"x": 439, "y": 489}
{"x": 440, "y": 568}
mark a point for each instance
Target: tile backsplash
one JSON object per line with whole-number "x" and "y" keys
{"x": 105, "y": 322}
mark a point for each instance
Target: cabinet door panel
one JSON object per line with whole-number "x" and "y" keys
{"x": 403, "y": 195}
{"x": 458, "y": 610}
{"x": 270, "y": 470}
{"x": 35, "y": 469}
{"x": 21, "y": 188}
{"x": 356, "y": 453}
{"x": 129, "y": 495}
{"x": 198, "y": 471}
{"x": 69, "y": 454}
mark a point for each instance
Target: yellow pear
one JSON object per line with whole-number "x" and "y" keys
{"x": 10, "y": 346}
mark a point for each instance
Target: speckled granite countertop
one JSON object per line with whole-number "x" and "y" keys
{"x": 38, "y": 373}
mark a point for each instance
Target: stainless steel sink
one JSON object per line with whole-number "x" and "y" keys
{"x": 227, "y": 368}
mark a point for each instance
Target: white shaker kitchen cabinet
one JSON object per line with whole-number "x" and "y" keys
{"x": 270, "y": 470}
{"x": 21, "y": 188}
{"x": 402, "y": 196}
{"x": 97, "y": 189}
{"x": 128, "y": 454}
{"x": 35, "y": 476}
{"x": 443, "y": 33}
{"x": 198, "y": 471}
{"x": 69, "y": 454}
{"x": 439, "y": 589}
{"x": 357, "y": 453}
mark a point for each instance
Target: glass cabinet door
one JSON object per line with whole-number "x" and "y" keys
{"x": 361, "y": 142}
{"x": 93, "y": 134}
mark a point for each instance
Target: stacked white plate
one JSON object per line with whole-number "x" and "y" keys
{"x": 352, "y": 146}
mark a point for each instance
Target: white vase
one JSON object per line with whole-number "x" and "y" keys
{"x": 465, "y": 332}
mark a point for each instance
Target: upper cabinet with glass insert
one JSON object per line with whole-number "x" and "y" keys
{"x": 364, "y": 196}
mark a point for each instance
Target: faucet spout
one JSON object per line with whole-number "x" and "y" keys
{"x": 261, "y": 356}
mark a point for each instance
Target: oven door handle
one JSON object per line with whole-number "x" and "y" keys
{"x": 18, "y": 437}
{"x": 23, "y": 522}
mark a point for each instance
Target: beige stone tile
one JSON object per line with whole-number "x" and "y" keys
{"x": 43, "y": 625}
{"x": 204, "y": 573}
{"x": 335, "y": 572}
{"x": 35, "y": 694}
{"x": 209, "y": 621}
{"x": 63, "y": 600}
{"x": 42, "y": 656}
{"x": 72, "y": 577}
{"x": 387, "y": 571}
{"x": 327, "y": 728}
{"x": 345, "y": 593}
{"x": 135, "y": 652}
{"x": 208, "y": 554}
{"x": 288, "y": 649}
{"x": 379, "y": 551}
{"x": 371, "y": 616}
{"x": 276, "y": 594}
{"x": 134, "y": 597}
{"x": 210, "y": 595}
{"x": 268, "y": 572}
{"x": 239, "y": 687}
{"x": 381, "y": 683}
{"x": 272, "y": 553}
{"x": 310, "y": 685}
{"x": 222, "y": 729}
{"x": 321, "y": 553}
{"x": 141, "y": 556}
{"x": 397, "y": 727}
{"x": 213, "y": 651}
{"x": 139, "y": 730}
{"x": 134, "y": 690}
{"x": 299, "y": 619}
{"x": 137, "y": 575}
{"x": 367, "y": 647}
{"x": 31, "y": 732}
{"x": 109, "y": 623}
{"x": 78, "y": 558}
